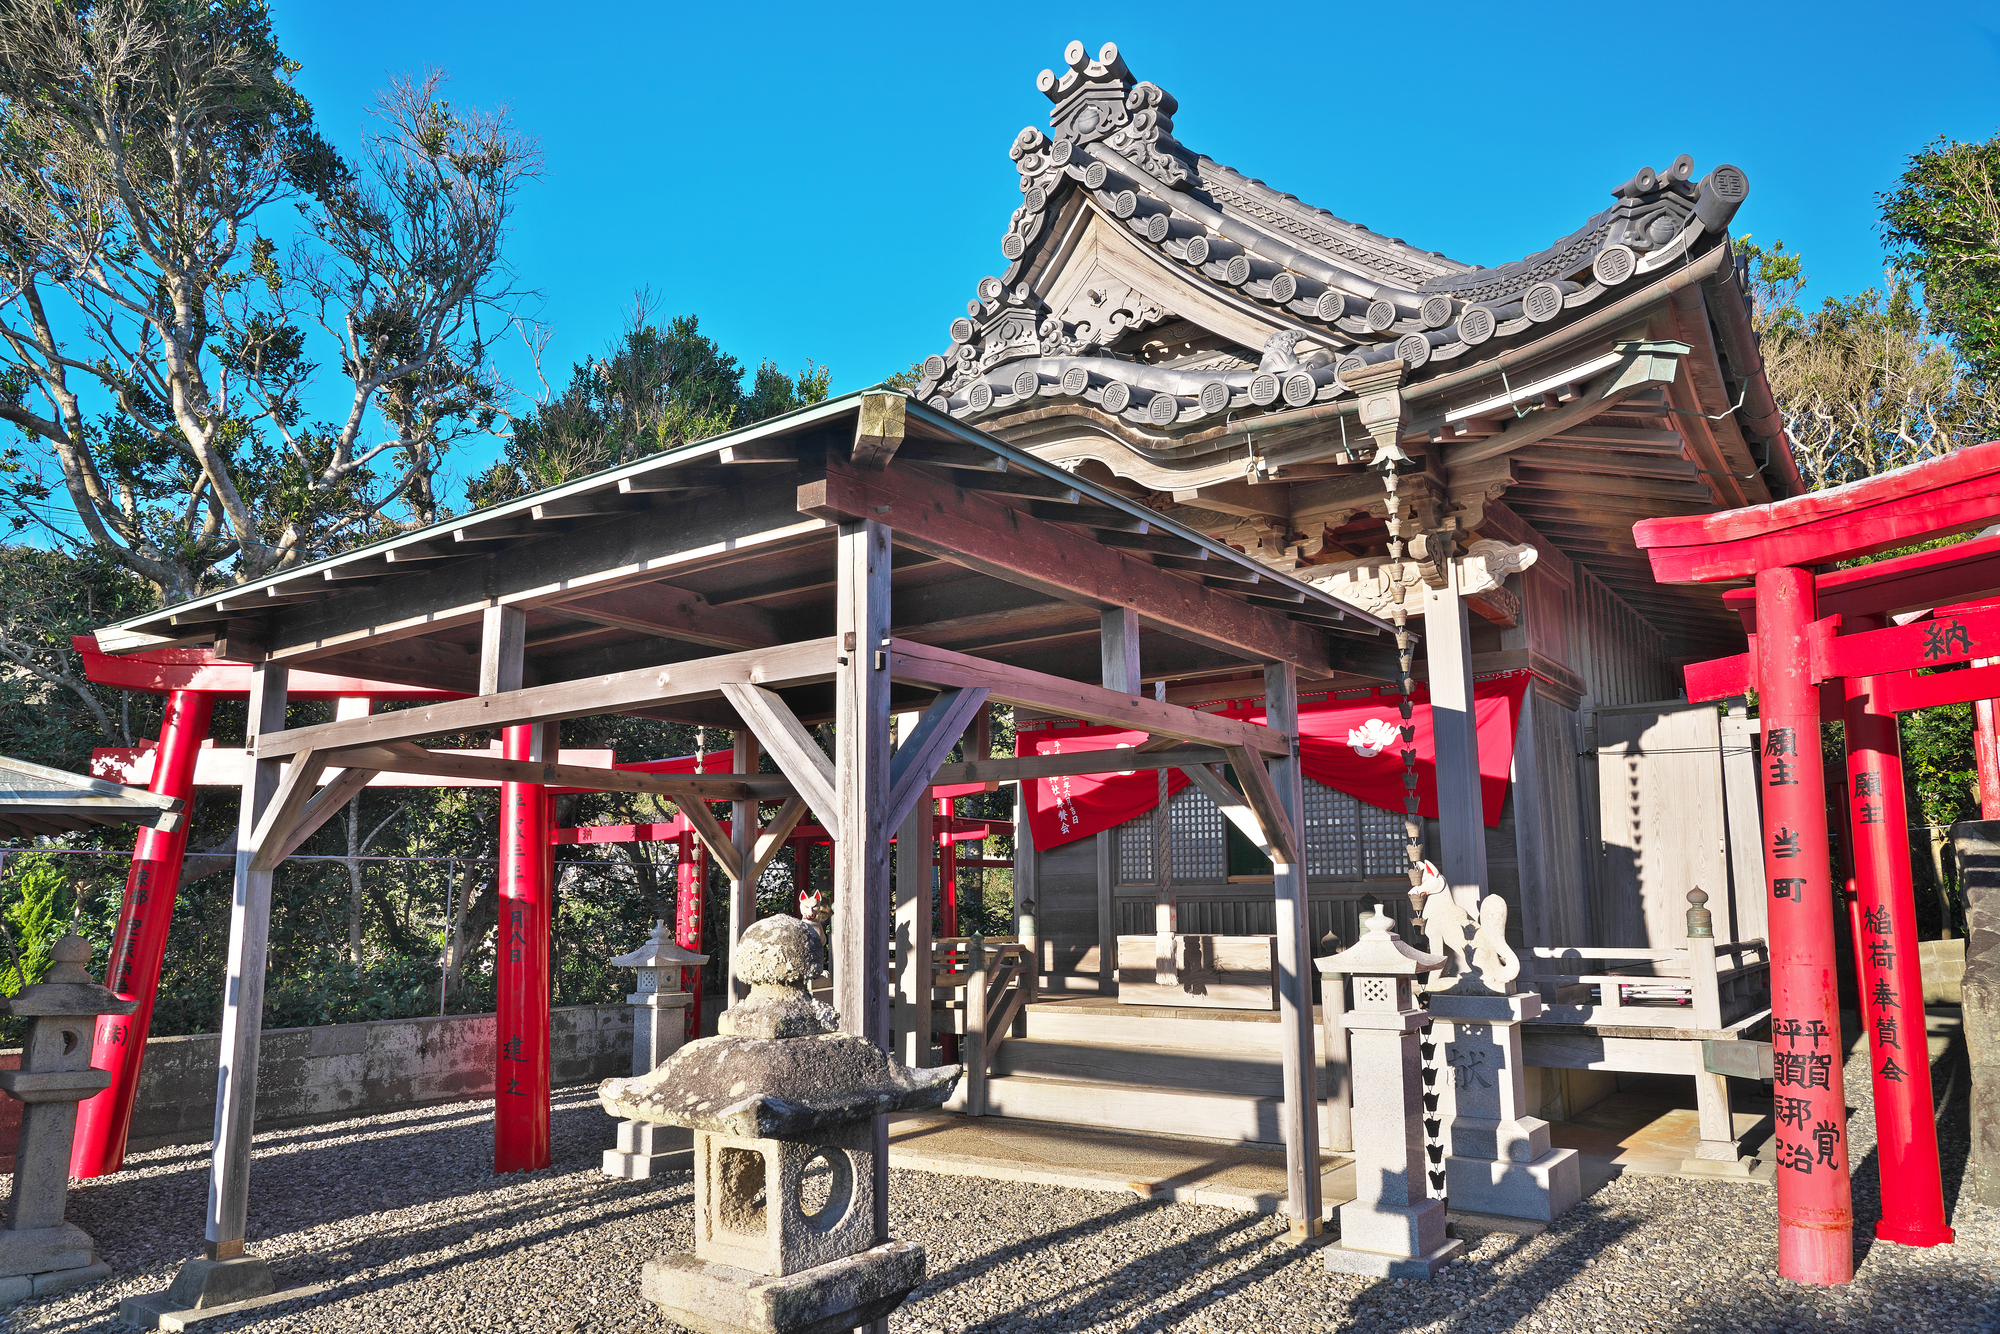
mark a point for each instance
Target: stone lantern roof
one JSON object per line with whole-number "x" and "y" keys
{"x": 660, "y": 951}
{"x": 1380, "y": 953}
{"x": 780, "y": 1069}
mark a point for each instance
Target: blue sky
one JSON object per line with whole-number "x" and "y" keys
{"x": 828, "y": 182}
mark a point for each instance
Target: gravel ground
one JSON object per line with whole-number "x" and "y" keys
{"x": 402, "y": 1218}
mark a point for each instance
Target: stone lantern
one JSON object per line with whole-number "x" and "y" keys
{"x": 774, "y": 1096}
{"x": 39, "y": 1252}
{"x": 659, "y": 1025}
{"x": 1391, "y": 1229}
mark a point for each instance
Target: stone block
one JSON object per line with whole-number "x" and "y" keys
{"x": 1542, "y": 1190}
{"x": 1370, "y": 1264}
{"x": 646, "y": 1150}
{"x": 830, "y": 1299}
{"x": 750, "y": 1207}
{"x": 158, "y": 1311}
{"x": 1392, "y": 1229}
{"x": 205, "y": 1283}
{"x": 1978, "y": 847}
{"x": 38, "y": 1250}
{"x": 64, "y": 1280}
{"x": 16, "y": 1289}
{"x": 1522, "y": 1140}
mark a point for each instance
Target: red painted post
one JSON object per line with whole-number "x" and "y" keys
{"x": 151, "y": 886}
{"x": 690, "y": 881}
{"x": 1892, "y": 994}
{"x": 1815, "y": 1200}
{"x": 1986, "y": 750}
{"x": 521, "y": 1065}
{"x": 947, "y": 873}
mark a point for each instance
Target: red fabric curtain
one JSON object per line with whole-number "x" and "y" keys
{"x": 1351, "y": 745}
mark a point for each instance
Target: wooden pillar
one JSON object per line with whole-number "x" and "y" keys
{"x": 861, "y": 914}
{"x": 1295, "y": 1004}
{"x": 139, "y": 948}
{"x": 243, "y": 999}
{"x": 1815, "y": 1205}
{"x": 914, "y": 890}
{"x": 1118, "y": 658}
{"x": 1455, "y": 732}
{"x": 521, "y": 1022}
{"x": 1026, "y": 928}
{"x": 742, "y": 833}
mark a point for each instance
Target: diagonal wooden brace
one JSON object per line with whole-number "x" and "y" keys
{"x": 336, "y": 794}
{"x": 773, "y": 835}
{"x": 1242, "y": 810}
{"x": 288, "y": 803}
{"x": 709, "y": 830}
{"x": 792, "y": 746}
{"x": 918, "y": 757}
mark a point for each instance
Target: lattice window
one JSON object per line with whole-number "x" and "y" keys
{"x": 1135, "y": 851}
{"x": 1382, "y": 851}
{"x": 1332, "y": 832}
{"x": 1199, "y": 852}
{"x": 1348, "y": 837}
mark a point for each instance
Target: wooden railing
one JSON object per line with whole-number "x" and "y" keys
{"x": 1707, "y": 984}
{"x": 996, "y": 977}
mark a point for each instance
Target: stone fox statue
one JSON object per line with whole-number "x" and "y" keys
{"x": 1482, "y": 961}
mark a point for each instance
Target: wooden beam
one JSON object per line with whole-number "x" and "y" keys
{"x": 878, "y": 430}
{"x": 674, "y": 613}
{"x": 1612, "y": 387}
{"x": 1263, "y": 797}
{"x": 798, "y": 755}
{"x": 924, "y": 664}
{"x": 1027, "y": 767}
{"x": 641, "y": 688}
{"x": 932, "y": 739}
{"x": 1233, "y": 806}
{"x": 995, "y": 539}
{"x": 1293, "y": 920}
{"x": 403, "y": 757}
{"x": 1240, "y": 496}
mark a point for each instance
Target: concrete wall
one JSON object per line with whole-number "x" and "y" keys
{"x": 340, "y": 1070}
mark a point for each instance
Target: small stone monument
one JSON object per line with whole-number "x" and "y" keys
{"x": 1497, "y": 1159}
{"x": 39, "y": 1252}
{"x": 659, "y": 1025}
{"x": 1390, "y": 1229}
{"x": 776, "y": 1094}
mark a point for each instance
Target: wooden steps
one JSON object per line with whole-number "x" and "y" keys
{"x": 1100, "y": 1066}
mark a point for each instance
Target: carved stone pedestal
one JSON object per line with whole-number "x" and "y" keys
{"x": 1498, "y": 1160}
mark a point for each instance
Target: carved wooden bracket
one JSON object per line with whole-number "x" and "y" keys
{"x": 1377, "y": 585}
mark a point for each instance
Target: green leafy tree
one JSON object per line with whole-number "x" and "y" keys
{"x": 162, "y": 318}
{"x": 1864, "y": 383}
{"x": 1942, "y": 222}
{"x": 656, "y": 387}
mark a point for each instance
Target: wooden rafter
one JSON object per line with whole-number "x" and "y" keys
{"x": 933, "y": 515}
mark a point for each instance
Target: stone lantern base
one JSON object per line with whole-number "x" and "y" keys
{"x": 37, "y": 1261}
{"x": 831, "y": 1298}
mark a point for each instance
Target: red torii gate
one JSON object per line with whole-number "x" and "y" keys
{"x": 1809, "y": 633}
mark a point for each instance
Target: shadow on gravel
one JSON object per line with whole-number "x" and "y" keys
{"x": 1900, "y": 1300}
